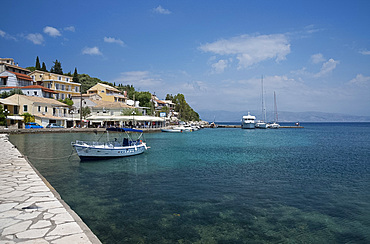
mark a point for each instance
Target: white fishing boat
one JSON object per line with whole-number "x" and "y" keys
{"x": 248, "y": 121}
{"x": 177, "y": 129}
{"x": 128, "y": 145}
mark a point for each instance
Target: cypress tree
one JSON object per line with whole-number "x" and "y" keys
{"x": 37, "y": 66}
{"x": 44, "y": 67}
{"x": 75, "y": 76}
{"x": 57, "y": 68}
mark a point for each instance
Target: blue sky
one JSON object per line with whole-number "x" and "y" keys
{"x": 314, "y": 54}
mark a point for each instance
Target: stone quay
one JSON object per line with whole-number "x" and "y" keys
{"x": 31, "y": 211}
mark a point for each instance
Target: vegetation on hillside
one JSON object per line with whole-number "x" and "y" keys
{"x": 10, "y": 93}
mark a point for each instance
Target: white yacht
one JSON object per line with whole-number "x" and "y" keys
{"x": 248, "y": 121}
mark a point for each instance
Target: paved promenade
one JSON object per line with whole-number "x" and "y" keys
{"x": 31, "y": 211}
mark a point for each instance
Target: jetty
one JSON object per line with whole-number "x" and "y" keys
{"x": 239, "y": 126}
{"x": 31, "y": 211}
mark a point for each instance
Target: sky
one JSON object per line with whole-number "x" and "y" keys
{"x": 314, "y": 54}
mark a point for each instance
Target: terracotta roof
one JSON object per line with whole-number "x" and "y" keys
{"x": 3, "y": 76}
{"x": 22, "y": 76}
{"x": 45, "y": 89}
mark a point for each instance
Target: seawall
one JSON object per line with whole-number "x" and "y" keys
{"x": 31, "y": 210}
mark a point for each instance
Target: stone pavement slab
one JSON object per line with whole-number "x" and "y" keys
{"x": 31, "y": 211}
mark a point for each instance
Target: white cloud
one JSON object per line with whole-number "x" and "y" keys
{"x": 6, "y": 35}
{"x": 220, "y": 66}
{"x": 360, "y": 79}
{"x": 250, "y": 50}
{"x": 70, "y": 28}
{"x": 317, "y": 58}
{"x": 113, "y": 40}
{"x": 365, "y": 52}
{"x": 36, "y": 38}
{"x": 160, "y": 10}
{"x": 327, "y": 68}
{"x": 142, "y": 80}
{"x": 91, "y": 51}
{"x": 51, "y": 31}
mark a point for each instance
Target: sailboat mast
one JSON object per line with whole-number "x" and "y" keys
{"x": 275, "y": 109}
{"x": 263, "y": 103}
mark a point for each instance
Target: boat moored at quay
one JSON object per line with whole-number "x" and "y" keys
{"x": 248, "y": 121}
{"x": 119, "y": 147}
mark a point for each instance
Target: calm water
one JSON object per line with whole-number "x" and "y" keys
{"x": 308, "y": 185}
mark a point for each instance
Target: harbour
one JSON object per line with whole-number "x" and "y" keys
{"x": 218, "y": 185}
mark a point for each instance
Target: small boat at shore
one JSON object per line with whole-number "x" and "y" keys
{"x": 127, "y": 145}
{"x": 178, "y": 129}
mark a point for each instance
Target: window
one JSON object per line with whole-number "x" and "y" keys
{"x": 25, "y": 108}
{"x": 76, "y": 89}
{"x": 57, "y": 86}
{"x": 49, "y": 85}
{"x": 59, "y": 77}
{"x": 62, "y": 96}
{"x": 46, "y": 109}
{"x": 63, "y": 87}
{"x": 35, "y": 93}
{"x": 67, "y": 79}
{"x": 39, "y": 109}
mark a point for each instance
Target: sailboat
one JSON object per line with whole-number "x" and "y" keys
{"x": 275, "y": 125}
{"x": 262, "y": 124}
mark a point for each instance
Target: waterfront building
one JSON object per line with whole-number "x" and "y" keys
{"x": 11, "y": 112}
{"x": 107, "y": 93}
{"x": 45, "y": 110}
{"x": 13, "y": 75}
{"x": 63, "y": 85}
{"x": 33, "y": 90}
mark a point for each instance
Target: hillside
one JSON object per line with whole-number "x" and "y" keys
{"x": 284, "y": 116}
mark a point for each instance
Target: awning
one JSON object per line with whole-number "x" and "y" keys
{"x": 93, "y": 118}
{"x": 14, "y": 117}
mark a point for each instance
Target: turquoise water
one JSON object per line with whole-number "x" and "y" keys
{"x": 308, "y": 185}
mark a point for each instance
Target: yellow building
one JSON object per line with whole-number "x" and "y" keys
{"x": 62, "y": 84}
{"x": 107, "y": 93}
{"x": 45, "y": 110}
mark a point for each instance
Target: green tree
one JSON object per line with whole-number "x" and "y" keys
{"x": 128, "y": 111}
{"x": 186, "y": 113}
{"x": 75, "y": 76}
{"x": 38, "y": 66}
{"x": 85, "y": 112}
{"x": 67, "y": 101}
{"x": 31, "y": 68}
{"x": 28, "y": 117}
{"x": 11, "y": 93}
{"x": 56, "y": 68}
{"x": 129, "y": 89}
{"x": 87, "y": 82}
{"x": 2, "y": 116}
{"x": 44, "y": 67}
{"x": 144, "y": 98}
{"x": 169, "y": 97}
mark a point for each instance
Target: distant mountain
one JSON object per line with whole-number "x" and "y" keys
{"x": 227, "y": 116}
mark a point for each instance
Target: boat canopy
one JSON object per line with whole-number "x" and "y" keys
{"x": 119, "y": 129}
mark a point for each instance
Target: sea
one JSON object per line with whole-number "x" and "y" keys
{"x": 220, "y": 185}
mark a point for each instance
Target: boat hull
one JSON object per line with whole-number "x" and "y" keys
{"x": 248, "y": 126}
{"x": 261, "y": 125}
{"x": 93, "y": 153}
